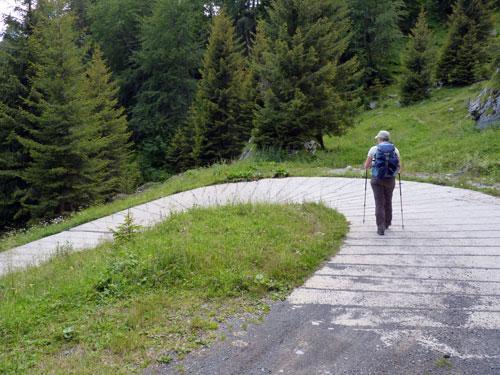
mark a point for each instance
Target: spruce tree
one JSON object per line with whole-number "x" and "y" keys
{"x": 410, "y": 15}
{"x": 14, "y": 86}
{"x": 61, "y": 128}
{"x": 463, "y": 58}
{"x": 306, "y": 85}
{"x": 80, "y": 10}
{"x": 117, "y": 171}
{"x": 180, "y": 153}
{"x": 245, "y": 14}
{"x": 439, "y": 10}
{"x": 480, "y": 12}
{"x": 465, "y": 70}
{"x": 256, "y": 62}
{"x": 418, "y": 64}
{"x": 171, "y": 51}
{"x": 115, "y": 25}
{"x": 377, "y": 38}
{"x": 459, "y": 26}
{"x": 221, "y": 114}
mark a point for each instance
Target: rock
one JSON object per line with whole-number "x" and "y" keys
{"x": 485, "y": 109}
{"x": 451, "y": 109}
{"x": 249, "y": 150}
{"x": 146, "y": 186}
{"x": 311, "y": 147}
{"x": 239, "y": 333}
{"x": 373, "y": 104}
{"x": 240, "y": 343}
{"x": 246, "y": 154}
{"x": 120, "y": 196}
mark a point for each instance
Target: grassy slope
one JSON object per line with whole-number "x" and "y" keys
{"x": 163, "y": 294}
{"x": 419, "y": 130}
{"x": 434, "y": 137}
{"x": 434, "y": 141}
{"x": 123, "y": 300}
{"x": 220, "y": 173}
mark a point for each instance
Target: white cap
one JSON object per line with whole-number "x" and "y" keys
{"x": 383, "y": 135}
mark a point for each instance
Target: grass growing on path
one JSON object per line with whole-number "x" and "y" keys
{"x": 121, "y": 307}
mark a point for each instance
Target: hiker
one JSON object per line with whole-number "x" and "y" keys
{"x": 385, "y": 161}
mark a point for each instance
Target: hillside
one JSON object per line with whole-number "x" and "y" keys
{"x": 437, "y": 139}
{"x": 438, "y": 142}
{"x": 167, "y": 87}
{"x": 107, "y": 105}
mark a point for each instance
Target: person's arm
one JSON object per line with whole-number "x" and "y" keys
{"x": 368, "y": 162}
{"x": 369, "y": 158}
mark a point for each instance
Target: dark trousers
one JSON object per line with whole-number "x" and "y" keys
{"x": 382, "y": 191}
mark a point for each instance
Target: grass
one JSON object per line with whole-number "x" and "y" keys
{"x": 438, "y": 142}
{"x": 444, "y": 363}
{"x": 219, "y": 173}
{"x": 124, "y": 306}
{"x": 435, "y": 138}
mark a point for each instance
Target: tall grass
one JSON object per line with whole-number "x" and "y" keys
{"x": 123, "y": 306}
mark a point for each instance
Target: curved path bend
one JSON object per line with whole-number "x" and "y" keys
{"x": 384, "y": 305}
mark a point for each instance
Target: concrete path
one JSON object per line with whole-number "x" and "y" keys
{"x": 384, "y": 305}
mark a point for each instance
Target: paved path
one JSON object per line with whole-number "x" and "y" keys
{"x": 390, "y": 305}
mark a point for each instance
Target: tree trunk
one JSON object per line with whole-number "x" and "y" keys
{"x": 319, "y": 139}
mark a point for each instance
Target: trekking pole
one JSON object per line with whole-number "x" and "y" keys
{"x": 364, "y": 204}
{"x": 401, "y": 201}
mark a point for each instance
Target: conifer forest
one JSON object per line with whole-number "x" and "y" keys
{"x": 100, "y": 96}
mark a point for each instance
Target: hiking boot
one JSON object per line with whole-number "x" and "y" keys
{"x": 380, "y": 231}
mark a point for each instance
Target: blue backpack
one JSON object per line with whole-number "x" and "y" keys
{"x": 386, "y": 161}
